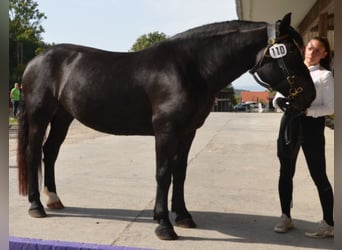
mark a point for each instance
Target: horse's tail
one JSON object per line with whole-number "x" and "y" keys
{"x": 23, "y": 134}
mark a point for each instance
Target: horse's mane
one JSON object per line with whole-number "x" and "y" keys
{"x": 220, "y": 28}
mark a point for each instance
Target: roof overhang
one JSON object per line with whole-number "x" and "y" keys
{"x": 309, "y": 17}
{"x": 271, "y": 11}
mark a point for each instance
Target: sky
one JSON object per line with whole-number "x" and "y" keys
{"x": 115, "y": 25}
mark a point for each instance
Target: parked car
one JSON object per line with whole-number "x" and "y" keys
{"x": 246, "y": 106}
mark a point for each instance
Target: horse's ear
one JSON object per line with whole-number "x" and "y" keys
{"x": 286, "y": 19}
{"x": 283, "y": 25}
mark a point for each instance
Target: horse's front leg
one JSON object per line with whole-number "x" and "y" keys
{"x": 165, "y": 230}
{"x": 183, "y": 217}
{"x": 165, "y": 149}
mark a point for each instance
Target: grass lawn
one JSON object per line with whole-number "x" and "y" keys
{"x": 12, "y": 121}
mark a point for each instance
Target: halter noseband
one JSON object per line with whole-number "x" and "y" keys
{"x": 293, "y": 91}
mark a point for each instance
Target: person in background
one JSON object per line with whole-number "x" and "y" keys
{"x": 309, "y": 127}
{"x": 15, "y": 98}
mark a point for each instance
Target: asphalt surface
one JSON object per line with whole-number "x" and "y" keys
{"x": 108, "y": 187}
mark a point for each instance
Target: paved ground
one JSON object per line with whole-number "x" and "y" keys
{"x": 107, "y": 185}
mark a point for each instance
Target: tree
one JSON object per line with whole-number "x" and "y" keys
{"x": 25, "y": 20}
{"x": 25, "y": 31}
{"x": 145, "y": 41}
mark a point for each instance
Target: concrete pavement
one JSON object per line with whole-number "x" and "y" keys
{"x": 108, "y": 187}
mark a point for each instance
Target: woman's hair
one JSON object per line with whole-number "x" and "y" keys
{"x": 326, "y": 61}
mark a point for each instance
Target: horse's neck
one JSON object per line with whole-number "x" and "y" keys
{"x": 228, "y": 58}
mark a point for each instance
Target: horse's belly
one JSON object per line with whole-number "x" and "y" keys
{"x": 119, "y": 125}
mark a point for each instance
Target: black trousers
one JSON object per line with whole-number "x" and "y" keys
{"x": 309, "y": 134}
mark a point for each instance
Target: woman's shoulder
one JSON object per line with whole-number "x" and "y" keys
{"x": 322, "y": 69}
{"x": 324, "y": 72}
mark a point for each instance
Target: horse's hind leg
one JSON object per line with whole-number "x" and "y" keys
{"x": 179, "y": 166}
{"x": 58, "y": 130}
{"x": 35, "y": 140}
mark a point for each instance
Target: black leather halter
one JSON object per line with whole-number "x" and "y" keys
{"x": 290, "y": 77}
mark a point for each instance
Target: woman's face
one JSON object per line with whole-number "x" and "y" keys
{"x": 314, "y": 52}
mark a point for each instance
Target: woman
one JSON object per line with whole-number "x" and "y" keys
{"x": 309, "y": 127}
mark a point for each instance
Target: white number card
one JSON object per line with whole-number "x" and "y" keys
{"x": 278, "y": 50}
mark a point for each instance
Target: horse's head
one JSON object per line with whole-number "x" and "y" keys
{"x": 280, "y": 66}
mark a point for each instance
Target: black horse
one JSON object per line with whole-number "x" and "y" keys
{"x": 166, "y": 90}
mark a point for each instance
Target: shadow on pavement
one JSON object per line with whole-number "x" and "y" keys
{"x": 242, "y": 228}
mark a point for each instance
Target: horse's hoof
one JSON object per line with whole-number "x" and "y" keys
{"x": 166, "y": 233}
{"x": 37, "y": 212}
{"x": 55, "y": 205}
{"x": 186, "y": 223}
